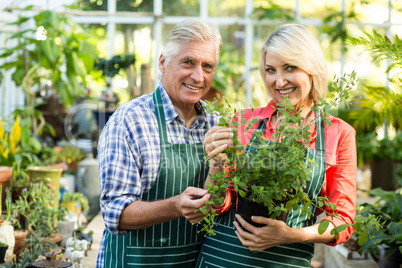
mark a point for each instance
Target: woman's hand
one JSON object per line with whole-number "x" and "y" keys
{"x": 216, "y": 140}
{"x": 259, "y": 238}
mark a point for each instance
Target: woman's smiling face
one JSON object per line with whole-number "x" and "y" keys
{"x": 283, "y": 79}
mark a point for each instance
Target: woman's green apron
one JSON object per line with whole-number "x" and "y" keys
{"x": 170, "y": 244}
{"x": 225, "y": 250}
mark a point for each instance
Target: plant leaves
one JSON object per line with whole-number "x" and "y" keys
{"x": 322, "y": 227}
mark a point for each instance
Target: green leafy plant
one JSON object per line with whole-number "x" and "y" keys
{"x": 8, "y": 205}
{"x": 76, "y": 197}
{"x": 112, "y": 67}
{"x": 60, "y": 54}
{"x": 388, "y": 210}
{"x": 70, "y": 154}
{"x": 36, "y": 211}
{"x": 380, "y": 105}
{"x": 274, "y": 12}
{"x": 3, "y": 244}
{"x": 49, "y": 155}
{"x": 276, "y": 173}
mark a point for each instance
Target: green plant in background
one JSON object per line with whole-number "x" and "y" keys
{"x": 3, "y": 244}
{"x": 76, "y": 197}
{"x": 36, "y": 209}
{"x": 112, "y": 67}
{"x": 381, "y": 48}
{"x": 380, "y": 105}
{"x": 9, "y": 142}
{"x": 8, "y": 205}
{"x": 19, "y": 146}
{"x": 60, "y": 54}
{"x": 35, "y": 245}
{"x": 334, "y": 24}
{"x": 49, "y": 155}
{"x": 71, "y": 154}
{"x": 226, "y": 75}
{"x": 274, "y": 12}
{"x": 388, "y": 210}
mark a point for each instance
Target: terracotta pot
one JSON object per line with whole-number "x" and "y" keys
{"x": 56, "y": 238}
{"x": 61, "y": 165}
{"x": 20, "y": 236}
{"x": 5, "y": 176}
{"x": 247, "y": 208}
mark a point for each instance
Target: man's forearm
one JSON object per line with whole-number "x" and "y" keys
{"x": 142, "y": 214}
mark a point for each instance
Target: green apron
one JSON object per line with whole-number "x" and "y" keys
{"x": 225, "y": 249}
{"x": 170, "y": 244}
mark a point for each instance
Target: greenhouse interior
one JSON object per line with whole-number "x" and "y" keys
{"x": 77, "y": 78}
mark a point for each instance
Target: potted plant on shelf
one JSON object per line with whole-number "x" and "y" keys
{"x": 109, "y": 99}
{"x": 6, "y": 228}
{"x": 36, "y": 213}
{"x": 75, "y": 202}
{"x": 9, "y": 147}
{"x": 71, "y": 155}
{"x": 3, "y": 250}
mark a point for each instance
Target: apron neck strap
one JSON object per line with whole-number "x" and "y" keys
{"x": 319, "y": 128}
{"x": 160, "y": 115}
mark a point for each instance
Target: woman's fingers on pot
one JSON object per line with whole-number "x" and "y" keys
{"x": 244, "y": 225}
{"x": 262, "y": 220}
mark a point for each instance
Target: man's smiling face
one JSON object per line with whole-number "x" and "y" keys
{"x": 189, "y": 75}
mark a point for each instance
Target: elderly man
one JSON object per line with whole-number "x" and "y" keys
{"x": 151, "y": 159}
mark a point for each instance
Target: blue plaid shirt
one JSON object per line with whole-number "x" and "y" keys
{"x": 129, "y": 153}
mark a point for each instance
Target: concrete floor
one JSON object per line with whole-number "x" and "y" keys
{"x": 96, "y": 225}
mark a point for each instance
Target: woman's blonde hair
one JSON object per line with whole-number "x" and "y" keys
{"x": 190, "y": 30}
{"x": 297, "y": 46}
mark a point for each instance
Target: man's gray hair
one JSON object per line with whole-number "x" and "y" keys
{"x": 190, "y": 30}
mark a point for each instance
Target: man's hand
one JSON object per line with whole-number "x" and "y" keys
{"x": 190, "y": 201}
{"x": 216, "y": 140}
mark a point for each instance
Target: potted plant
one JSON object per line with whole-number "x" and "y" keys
{"x": 6, "y": 228}
{"x": 71, "y": 155}
{"x": 75, "y": 202}
{"x": 9, "y": 147}
{"x": 36, "y": 213}
{"x": 109, "y": 99}
{"x": 259, "y": 175}
{"x": 387, "y": 208}
{"x": 264, "y": 176}
{"x": 3, "y": 250}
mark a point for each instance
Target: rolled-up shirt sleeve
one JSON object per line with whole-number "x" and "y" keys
{"x": 120, "y": 164}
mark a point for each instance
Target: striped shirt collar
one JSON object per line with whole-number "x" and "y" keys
{"x": 171, "y": 113}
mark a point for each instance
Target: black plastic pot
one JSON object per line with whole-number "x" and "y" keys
{"x": 394, "y": 261}
{"x": 3, "y": 251}
{"x": 247, "y": 208}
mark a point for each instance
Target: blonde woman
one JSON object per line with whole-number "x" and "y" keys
{"x": 292, "y": 65}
